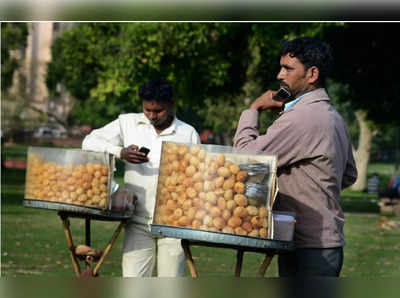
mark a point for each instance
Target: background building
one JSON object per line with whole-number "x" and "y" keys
{"x": 27, "y": 104}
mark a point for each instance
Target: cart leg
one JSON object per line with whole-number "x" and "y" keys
{"x": 87, "y": 231}
{"x": 264, "y": 265}
{"x": 188, "y": 257}
{"x": 239, "y": 261}
{"x": 87, "y": 240}
{"x": 71, "y": 247}
{"x": 108, "y": 247}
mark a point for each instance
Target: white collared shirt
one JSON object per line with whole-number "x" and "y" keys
{"x": 292, "y": 103}
{"x": 136, "y": 129}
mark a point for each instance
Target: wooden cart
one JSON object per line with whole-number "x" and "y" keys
{"x": 92, "y": 258}
{"x": 241, "y": 244}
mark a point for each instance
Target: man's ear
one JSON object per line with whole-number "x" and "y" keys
{"x": 313, "y": 74}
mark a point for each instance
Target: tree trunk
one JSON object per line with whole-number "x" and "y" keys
{"x": 363, "y": 151}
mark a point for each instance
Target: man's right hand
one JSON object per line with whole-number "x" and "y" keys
{"x": 133, "y": 155}
{"x": 267, "y": 102}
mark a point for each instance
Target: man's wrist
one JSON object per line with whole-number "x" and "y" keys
{"x": 255, "y": 107}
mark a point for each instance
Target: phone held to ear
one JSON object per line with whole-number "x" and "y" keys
{"x": 144, "y": 150}
{"x": 282, "y": 94}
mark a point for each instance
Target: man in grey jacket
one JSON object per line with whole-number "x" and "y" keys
{"x": 315, "y": 160}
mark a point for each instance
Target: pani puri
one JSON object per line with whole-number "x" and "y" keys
{"x": 240, "y": 199}
{"x": 207, "y": 176}
{"x": 215, "y": 212}
{"x": 228, "y": 194}
{"x": 262, "y": 211}
{"x": 234, "y": 221}
{"x": 208, "y": 221}
{"x": 198, "y": 203}
{"x": 202, "y": 155}
{"x": 219, "y": 192}
{"x": 104, "y": 179}
{"x": 208, "y": 206}
{"x": 202, "y": 167}
{"x": 240, "y": 211}
{"x": 220, "y": 159}
{"x": 195, "y": 149}
{"x": 196, "y": 224}
{"x": 96, "y": 199}
{"x": 209, "y": 186}
{"x": 187, "y": 204}
{"x": 191, "y": 213}
{"x": 234, "y": 169}
{"x": 228, "y": 229}
{"x": 226, "y": 214}
{"x": 183, "y": 221}
{"x": 199, "y": 186}
{"x": 178, "y": 213}
{"x": 221, "y": 203}
{"x": 104, "y": 170}
{"x": 254, "y": 233}
{"x": 194, "y": 161}
{"x": 247, "y": 226}
{"x": 219, "y": 182}
{"x": 200, "y": 214}
{"x": 211, "y": 197}
{"x": 187, "y": 157}
{"x": 182, "y": 150}
{"x": 263, "y": 232}
{"x": 191, "y": 192}
{"x": 239, "y": 187}
{"x": 190, "y": 171}
{"x": 228, "y": 184}
{"x": 172, "y": 205}
{"x": 240, "y": 231}
{"x": 231, "y": 204}
{"x": 241, "y": 176}
{"x": 198, "y": 177}
{"x": 223, "y": 172}
{"x": 252, "y": 210}
{"x": 183, "y": 164}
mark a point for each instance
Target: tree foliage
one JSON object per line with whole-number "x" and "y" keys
{"x": 216, "y": 68}
{"x": 13, "y": 37}
{"x": 366, "y": 61}
{"x": 103, "y": 65}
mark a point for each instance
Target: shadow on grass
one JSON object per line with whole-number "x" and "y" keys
{"x": 11, "y": 199}
{"x": 366, "y": 205}
{"x": 12, "y": 176}
{"x": 12, "y": 187}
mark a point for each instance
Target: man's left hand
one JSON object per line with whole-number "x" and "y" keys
{"x": 133, "y": 155}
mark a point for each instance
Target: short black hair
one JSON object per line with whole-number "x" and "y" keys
{"x": 311, "y": 52}
{"x": 157, "y": 89}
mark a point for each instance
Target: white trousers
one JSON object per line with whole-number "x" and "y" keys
{"x": 141, "y": 252}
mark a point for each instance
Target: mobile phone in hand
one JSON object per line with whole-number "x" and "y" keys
{"x": 144, "y": 150}
{"x": 282, "y": 94}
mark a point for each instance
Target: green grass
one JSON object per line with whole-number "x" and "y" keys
{"x": 370, "y": 251}
{"x": 381, "y": 168}
{"x": 34, "y": 244}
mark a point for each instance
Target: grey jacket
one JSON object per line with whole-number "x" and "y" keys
{"x": 315, "y": 162}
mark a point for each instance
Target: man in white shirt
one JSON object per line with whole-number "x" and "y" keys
{"x": 124, "y": 137}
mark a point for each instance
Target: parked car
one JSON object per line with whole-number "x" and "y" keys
{"x": 48, "y": 132}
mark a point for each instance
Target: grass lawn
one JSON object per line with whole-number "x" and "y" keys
{"x": 33, "y": 243}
